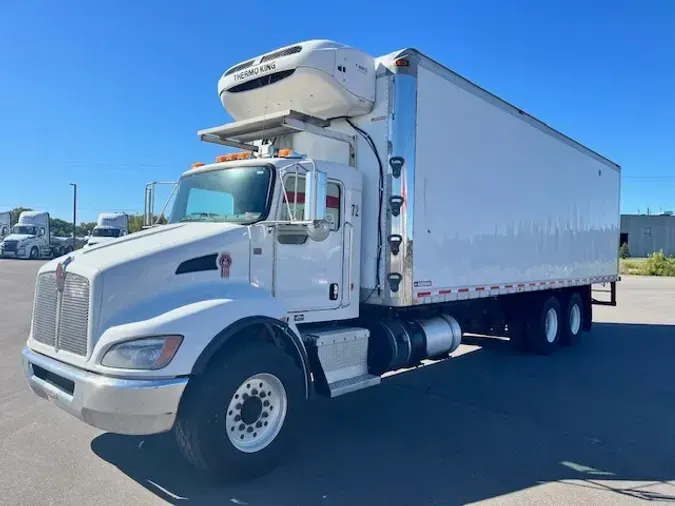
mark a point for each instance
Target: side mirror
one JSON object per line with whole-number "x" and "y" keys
{"x": 315, "y": 205}
{"x": 315, "y": 195}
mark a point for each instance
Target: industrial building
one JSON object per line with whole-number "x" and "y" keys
{"x": 648, "y": 233}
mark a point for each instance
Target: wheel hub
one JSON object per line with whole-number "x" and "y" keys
{"x": 256, "y": 413}
{"x": 575, "y": 320}
{"x": 251, "y": 410}
{"x": 551, "y": 325}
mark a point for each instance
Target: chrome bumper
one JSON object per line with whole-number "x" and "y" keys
{"x": 122, "y": 406}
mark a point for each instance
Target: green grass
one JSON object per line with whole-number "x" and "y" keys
{"x": 634, "y": 266}
{"x": 657, "y": 264}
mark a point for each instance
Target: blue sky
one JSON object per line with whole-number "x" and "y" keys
{"x": 110, "y": 94}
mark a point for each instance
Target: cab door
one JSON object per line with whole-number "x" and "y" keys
{"x": 308, "y": 274}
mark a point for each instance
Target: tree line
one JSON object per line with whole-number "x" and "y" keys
{"x": 61, "y": 228}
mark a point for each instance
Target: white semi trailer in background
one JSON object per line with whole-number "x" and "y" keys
{"x": 381, "y": 207}
{"x": 30, "y": 238}
{"x": 109, "y": 226}
{"x": 5, "y": 223}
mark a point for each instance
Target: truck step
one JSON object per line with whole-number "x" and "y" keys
{"x": 343, "y": 356}
{"x": 353, "y": 384}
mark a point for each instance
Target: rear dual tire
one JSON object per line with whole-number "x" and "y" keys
{"x": 542, "y": 329}
{"x": 545, "y": 323}
{"x": 574, "y": 318}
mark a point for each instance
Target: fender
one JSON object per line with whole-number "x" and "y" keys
{"x": 285, "y": 330}
{"x": 204, "y": 324}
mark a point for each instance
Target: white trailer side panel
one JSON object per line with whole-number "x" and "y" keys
{"x": 500, "y": 201}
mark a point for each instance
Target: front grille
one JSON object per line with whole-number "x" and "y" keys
{"x": 69, "y": 308}
{"x": 74, "y": 320}
{"x": 281, "y": 53}
{"x": 44, "y": 312}
{"x": 10, "y": 245}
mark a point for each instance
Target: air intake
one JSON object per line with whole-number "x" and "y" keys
{"x": 281, "y": 53}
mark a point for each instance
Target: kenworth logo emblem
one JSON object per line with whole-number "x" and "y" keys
{"x": 61, "y": 273}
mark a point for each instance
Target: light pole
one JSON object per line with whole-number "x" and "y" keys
{"x": 74, "y": 185}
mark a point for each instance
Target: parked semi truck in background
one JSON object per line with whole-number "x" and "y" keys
{"x": 109, "y": 226}
{"x": 30, "y": 238}
{"x": 380, "y": 208}
{"x": 5, "y": 223}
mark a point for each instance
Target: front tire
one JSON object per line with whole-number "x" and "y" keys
{"x": 231, "y": 426}
{"x": 544, "y": 326}
{"x": 34, "y": 253}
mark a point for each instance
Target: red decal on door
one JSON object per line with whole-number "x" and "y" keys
{"x": 225, "y": 263}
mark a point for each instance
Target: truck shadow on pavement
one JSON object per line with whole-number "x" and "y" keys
{"x": 484, "y": 424}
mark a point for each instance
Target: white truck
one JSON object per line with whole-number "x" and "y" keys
{"x": 5, "y": 223}
{"x": 109, "y": 226}
{"x": 30, "y": 238}
{"x": 380, "y": 208}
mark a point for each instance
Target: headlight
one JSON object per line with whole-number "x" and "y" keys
{"x": 145, "y": 353}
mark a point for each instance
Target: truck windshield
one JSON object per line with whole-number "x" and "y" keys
{"x": 105, "y": 232}
{"x": 234, "y": 195}
{"x": 24, "y": 229}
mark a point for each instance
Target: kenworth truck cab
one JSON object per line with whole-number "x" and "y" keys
{"x": 287, "y": 271}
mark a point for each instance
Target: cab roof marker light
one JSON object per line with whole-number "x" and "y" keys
{"x": 289, "y": 153}
{"x": 242, "y": 155}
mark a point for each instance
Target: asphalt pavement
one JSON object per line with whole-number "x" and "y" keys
{"x": 590, "y": 425}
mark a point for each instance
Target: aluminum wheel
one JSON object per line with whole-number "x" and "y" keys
{"x": 575, "y": 320}
{"x": 256, "y": 413}
{"x": 551, "y": 325}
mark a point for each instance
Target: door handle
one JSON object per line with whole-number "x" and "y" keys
{"x": 333, "y": 291}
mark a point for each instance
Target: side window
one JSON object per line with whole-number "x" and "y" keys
{"x": 296, "y": 198}
{"x": 41, "y": 231}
